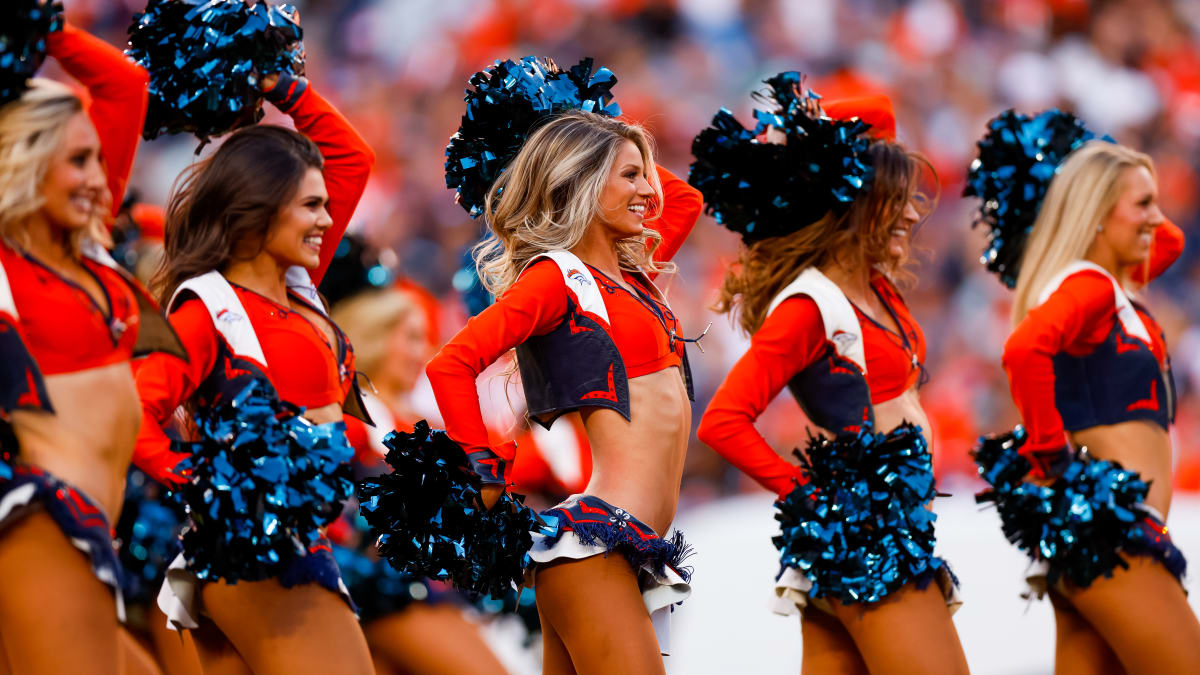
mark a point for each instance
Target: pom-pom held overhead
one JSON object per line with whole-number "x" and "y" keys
{"x": 761, "y": 189}
{"x": 504, "y": 104}
{"x": 428, "y": 522}
{"x": 858, "y": 526}
{"x": 24, "y": 25}
{"x": 207, "y": 58}
{"x": 1079, "y": 524}
{"x": 262, "y": 482}
{"x": 1018, "y": 157}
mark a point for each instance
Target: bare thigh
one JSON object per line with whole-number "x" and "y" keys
{"x": 135, "y": 658}
{"x": 556, "y": 660}
{"x": 280, "y": 630}
{"x": 1078, "y": 648}
{"x": 431, "y": 640}
{"x": 216, "y": 653}
{"x": 40, "y": 569}
{"x": 175, "y": 650}
{"x": 1143, "y": 615}
{"x": 595, "y": 607}
{"x": 828, "y": 648}
{"x": 909, "y": 631}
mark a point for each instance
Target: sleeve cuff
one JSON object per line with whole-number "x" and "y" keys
{"x": 287, "y": 91}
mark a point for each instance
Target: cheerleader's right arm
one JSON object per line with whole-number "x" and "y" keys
{"x": 790, "y": 339}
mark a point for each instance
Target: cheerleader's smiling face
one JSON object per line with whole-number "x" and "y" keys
{"x": 74, "y": 189}
{"x": 902, "y": 230}
{"x": 626, "y": 195}
{"x": 1129, "y": 228}
{"x": 296, "y": 234}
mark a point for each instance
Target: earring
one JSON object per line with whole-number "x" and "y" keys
{"x": 1099, "y": 228}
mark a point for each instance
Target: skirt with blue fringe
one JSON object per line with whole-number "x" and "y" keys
{"x": 858, "y": 528}
{"x": 1081, "y": 526}
{"x": 584, "y": 526}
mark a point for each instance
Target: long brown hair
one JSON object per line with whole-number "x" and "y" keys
{"x": 229, "y": 199}
{"x": 857, "y": 239}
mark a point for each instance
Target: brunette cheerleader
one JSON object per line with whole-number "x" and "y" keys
{"x": 249, "y": 233}
{"x": 815, "y": 288}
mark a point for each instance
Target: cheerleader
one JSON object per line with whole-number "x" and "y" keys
{"x": 815, "y": 287}
{"x": 571, "y": 265}
{"x": 70, "y": 323}
{"x": 249, "y": 233}
{"x": 1088, "y": 368}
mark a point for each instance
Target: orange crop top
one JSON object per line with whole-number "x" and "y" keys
{"x": 538, "y": 303}
{"x": 791, "y": 339}
{"x": 65, "y": 329}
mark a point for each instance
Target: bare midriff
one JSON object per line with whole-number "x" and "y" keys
{"x": 88, "y": 441}
{"x": 637, "y": 464}
{"x": 904, "y": 408}
{"x": 331, "y": 412}
{"x": 1140, "y": 446}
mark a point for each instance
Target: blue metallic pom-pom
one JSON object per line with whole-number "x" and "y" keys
{"x": 507, "y": 102}
{"x": 262, "y": 483}
{"x": 762, "y": 190}
{"x": 147, "y": 535}
{"x": 859, "y": 527}
{"x": 1079, "y": 523}
{"x": 427, "y": 520}
{"x": 1018, "y": 157}
{"x": 24, "y": 25}
{"x": 206, "y": 59}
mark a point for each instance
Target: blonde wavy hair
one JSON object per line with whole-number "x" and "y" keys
{"x": 1081, "y": 195}
{"x": 550, "y": 195}
{"x": 857, "y": 239}
{"x": 32, "y": 129}
{"x": 368, "y": 320}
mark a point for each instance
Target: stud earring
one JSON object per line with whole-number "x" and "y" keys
{"x": 1099, "y": 228}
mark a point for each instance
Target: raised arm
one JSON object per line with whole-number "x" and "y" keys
{"x": 1082, "y": 302}
{"x": 348, "y": 158}
{"x": 1164, "y": 251}
{"x": 534, "y": 305}
{"x": 682, "y": 205}
{"x": 164, "y": 382}
{"x": 119, "y": 91}
{"x": 791, "y": 338}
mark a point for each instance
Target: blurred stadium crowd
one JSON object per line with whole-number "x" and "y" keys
{"x": 1129, "y": 68}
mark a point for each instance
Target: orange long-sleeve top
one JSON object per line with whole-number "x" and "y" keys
{"x": 535, "y": 304}
{"x": 305, "y": 369}
{"x": 790, "y": 339}
{"x": 1074, "y": 319}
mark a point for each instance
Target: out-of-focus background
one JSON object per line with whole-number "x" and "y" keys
{"x": 1129, "y": 68}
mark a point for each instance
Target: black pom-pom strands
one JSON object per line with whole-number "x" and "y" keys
{"x": 504, "y": 105}
{"x": 761, "y": 189}
{"x": 859, "y": 527}
{"x": 24, "y": 25}
{"x": 206, "y": 60}
{"x": 428, "y": 521}
{"x": 1082, "y": 522}
{"x": 1018, "y": 157}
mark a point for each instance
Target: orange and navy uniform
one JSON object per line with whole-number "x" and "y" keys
{"x": 61, "y": 327}
{"x": 639, "y": 326}
{"x": 791, "y": 349}
{"x": 303, "y": 366}
{"x": 1072, "y": 365}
